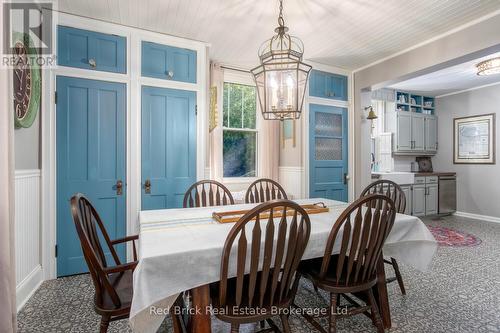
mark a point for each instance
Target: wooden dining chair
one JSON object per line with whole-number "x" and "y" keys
{"x": 358, "y": 235}
{"x": 207, "y": 193}
{"x": 394, "y": 191}
{"x": 263, "y": 190}
{"x": 265, "y": 279}
{"x": 112, "y": 283}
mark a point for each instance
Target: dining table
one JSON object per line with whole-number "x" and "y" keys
{"x": 180, "y": 250}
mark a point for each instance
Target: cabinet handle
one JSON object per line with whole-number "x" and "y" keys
{"x": 170, "y": 74}
{"x": 92, "y": 63}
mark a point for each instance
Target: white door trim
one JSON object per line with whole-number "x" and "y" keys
{"x": 134, "y": 81}
{"x": 350, "y": 124}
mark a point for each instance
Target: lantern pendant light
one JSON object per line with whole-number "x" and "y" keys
{"x": 281, "y": 78}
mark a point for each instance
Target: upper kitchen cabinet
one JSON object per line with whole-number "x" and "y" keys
{"x": 328, "y": 85}
{"x": 431, "y": 143}
{"x": 91, "y": 50}
{"x": 168, "y": 62}
{"x": 413, "y": 125}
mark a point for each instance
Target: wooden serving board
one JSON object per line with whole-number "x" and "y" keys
{"x": 235, "y": 215}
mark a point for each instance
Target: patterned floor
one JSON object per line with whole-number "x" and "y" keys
{"x": 460, "y": 293}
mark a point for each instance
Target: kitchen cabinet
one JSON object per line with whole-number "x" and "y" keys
{"x": 431, "y": 199}
{"x": 168, "y": 63}
{"x": 403, "y": 132}
{"x": 407, "y": 191}
{"x": 418, "y": 200}
{"x": 425, "y": 196}
{"x": 328, "y": 85}
{"x": 413, "y": 124}
{"x": 91, "y": 50}
{"x": 417, "y": 132}
{"x": 431, "y": 143}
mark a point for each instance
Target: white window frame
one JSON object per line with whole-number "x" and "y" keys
{"x": 243, "y": 78}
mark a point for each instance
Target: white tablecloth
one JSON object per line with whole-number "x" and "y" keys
{"x": 180, "y": 249}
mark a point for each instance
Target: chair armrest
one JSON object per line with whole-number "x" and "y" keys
{"x": 121, "y": 268}
{"x": 124, "y": 239}
{"x": 132, "y": 238}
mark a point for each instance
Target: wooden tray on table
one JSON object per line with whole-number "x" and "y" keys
{"x": 235, "y": 215}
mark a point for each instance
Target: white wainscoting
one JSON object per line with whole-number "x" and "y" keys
{"x": 291, "y": 180}
{"x": 27, "y": 231}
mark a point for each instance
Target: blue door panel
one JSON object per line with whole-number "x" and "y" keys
{"x": 168, "y": 62}
{"x": 327, "y": 152}
{"x": 154, "y": 60}
{"x": 328, "y": 85}
{"x": 168, "y": 146}
{"x": 90, "y": 159}
{"x": 77, "y": 47}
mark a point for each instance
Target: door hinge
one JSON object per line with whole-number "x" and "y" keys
{"x": 55, "y": 97}
{"x": 55, "y": 251}
{"x": 196, "y": 110}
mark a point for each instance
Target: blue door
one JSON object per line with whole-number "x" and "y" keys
{"x": 328, "y": 152}
{"x": 91, "y": 118}
{"x": 168, "y": 146}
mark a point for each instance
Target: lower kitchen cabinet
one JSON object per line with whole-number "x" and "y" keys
{"x": 431, "y": 199}
{"x": 418, "y": 200}
{"x": 407, "y": 191}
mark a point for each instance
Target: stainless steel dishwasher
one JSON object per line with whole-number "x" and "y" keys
{"x": 447, "y": 194}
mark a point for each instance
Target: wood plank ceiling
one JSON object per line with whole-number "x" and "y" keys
{"x": 343, "y": 33}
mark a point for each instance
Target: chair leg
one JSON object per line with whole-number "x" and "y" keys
{"x": 285, "y": 323}
{"x": 104, "y": 323}
{"x": 399, "y": 277}
{"x": 377, "y": 320}
{"x": 235, "y": 328}
{"x": 333, "y": 313}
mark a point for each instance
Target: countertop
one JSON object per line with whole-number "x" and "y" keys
{"x": 424, "y": 174}
{"x": 434, "y": 173}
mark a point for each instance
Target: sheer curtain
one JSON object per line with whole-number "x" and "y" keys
{"x": 7, "y": 269}
{"x": 269, "y": 147}
{"x": 215, "y": 137}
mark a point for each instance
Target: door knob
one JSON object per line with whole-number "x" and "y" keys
{"x": 92, "y": 63}
{"x": 147, "y": 186}
{"x": 119, "y": 187}
{"x": 346, "y": 178}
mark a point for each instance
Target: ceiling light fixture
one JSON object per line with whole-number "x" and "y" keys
{"x": 281, "y": 78}
{"x": 489, "y": 67}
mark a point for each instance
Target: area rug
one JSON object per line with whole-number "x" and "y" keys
{"x": 450, "y": 237}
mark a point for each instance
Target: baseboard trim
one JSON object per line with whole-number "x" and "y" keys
{"x": 27, "y": 287}
{"x": 478, "y": 217}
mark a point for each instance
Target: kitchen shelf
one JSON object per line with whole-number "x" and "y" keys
{"x": 406, "y": 101}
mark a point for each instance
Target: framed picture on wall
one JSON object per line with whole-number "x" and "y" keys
{"x": 474, "y": 140}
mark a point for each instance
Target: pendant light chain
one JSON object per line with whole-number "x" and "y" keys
{"x": 281, "y": 20}
{"x": 281, "y": 78}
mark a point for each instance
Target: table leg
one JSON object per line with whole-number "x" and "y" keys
{"x": 381, "y": 295}
{"x": 200, "y": 321}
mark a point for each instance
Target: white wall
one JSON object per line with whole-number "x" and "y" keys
{"x": 27, "y": 146}
{"x": 478, "y": 189}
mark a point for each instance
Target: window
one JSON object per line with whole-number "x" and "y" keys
{"x": 239, "y": 130}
